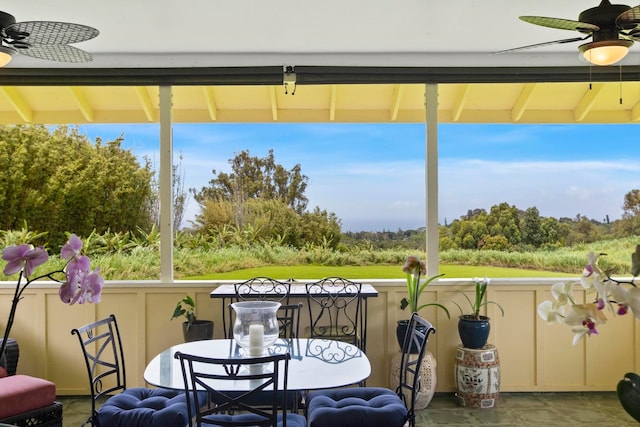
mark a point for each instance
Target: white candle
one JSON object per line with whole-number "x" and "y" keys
{"x": 256, "y": 339}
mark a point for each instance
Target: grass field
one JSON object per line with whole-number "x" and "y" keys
{"x": 302, "y": 272}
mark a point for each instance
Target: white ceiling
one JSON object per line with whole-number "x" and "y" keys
{"x": 206, "y": 33}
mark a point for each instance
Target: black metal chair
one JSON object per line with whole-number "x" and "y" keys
{"x": 375, "y": 406}
{"x": 220, "y": 379}
{"x": 258, "y": 288}
{"x": 289, "y": 320}
{"x": 134, "y": 407}
{"x": 335, "y": 310}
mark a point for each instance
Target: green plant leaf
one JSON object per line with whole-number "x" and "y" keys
{"x": 435, "y": 304}
{"x": 189, "y": 301}
{"x": 179, "y": 311}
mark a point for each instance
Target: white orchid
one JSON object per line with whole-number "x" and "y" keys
{"x": 627, "y": 299}
{"x": 612, "y": 293}
{"x": 550, "y": 313}
{"x": 583, "y": 319}
{"x": 562, "y": 293}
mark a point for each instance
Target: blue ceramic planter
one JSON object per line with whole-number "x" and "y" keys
{"x": 473, "y": 333}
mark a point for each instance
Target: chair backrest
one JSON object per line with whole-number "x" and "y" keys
{"x": 258, "y": 403}
{"x": 417, "y": 335}
{"x": 104, "y": 359}
{"x": 289, "y": 320}
{"x": 335, "y": 310}
{"x": 260, "y": 288}
{"x": 263, "y": 288}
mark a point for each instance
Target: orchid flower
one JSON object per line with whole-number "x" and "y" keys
{"x": 550, "y": 312}
{"x": 626, "y": 299}
{"x": 80, "y": 285}
{"x": 72, "y": 248}
{"x": 594, "y": 279}
{"x": 583, "y": 319}
{"x": 23, "y": 257}
{"x": 562, "y": 293}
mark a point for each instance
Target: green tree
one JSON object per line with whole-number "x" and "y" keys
{"x": 630, "y": 222}
{"x": 256, "y": 178}
{"x": 58, "y": 181}
{"x": 506, "y": 219}
{"x": 320, "y": 228}
{"x": 532, "y": 233}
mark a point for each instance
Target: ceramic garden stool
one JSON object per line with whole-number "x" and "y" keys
{"x": 477, "y": 375}
{"x": 427, "y": 383}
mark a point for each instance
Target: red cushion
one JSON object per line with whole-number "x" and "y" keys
{"x": 3, "y": 372}
{"x": 22, "y": 393}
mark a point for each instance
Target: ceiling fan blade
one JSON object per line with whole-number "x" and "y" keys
{"x": 52, "y": 33}
{"x": 532, "y": 46}
{"x": 561, "y": 24}
{"x": 58, "y": 53}
{"x": 629, "y": 23}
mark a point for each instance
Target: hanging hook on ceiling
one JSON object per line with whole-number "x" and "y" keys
{"x": 289, "y": 79}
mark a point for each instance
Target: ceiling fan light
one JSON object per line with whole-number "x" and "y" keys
{"x": 6, "y": 53}
{"x": 606, "y": 52}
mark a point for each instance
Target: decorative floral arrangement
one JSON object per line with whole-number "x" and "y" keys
{"x": 80, "y": 283}
{"x": 618, "y": 296}
{"x": 415, "y": 269}
{"x": 611, "y": 293}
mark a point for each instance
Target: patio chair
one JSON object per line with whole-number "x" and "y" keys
{"x": 375, "y": 406}
{"x": 335, "y": 310}
{"x": 132, "y": 407}
{"x": 238, "y": 387}
{"x": 288, "y": 316}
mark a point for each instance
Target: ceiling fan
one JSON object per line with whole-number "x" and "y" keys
{"x": 43, "y": 40}
{"x": 612, "y": 27}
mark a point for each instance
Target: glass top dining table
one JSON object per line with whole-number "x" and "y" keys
{"x": 315, "y": 363}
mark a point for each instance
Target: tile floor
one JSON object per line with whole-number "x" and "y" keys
{"x": 512, "y": 409}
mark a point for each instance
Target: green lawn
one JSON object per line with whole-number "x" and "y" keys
{"x": 304, "y": 272}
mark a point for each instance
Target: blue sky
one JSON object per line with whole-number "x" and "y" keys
{"x": 372, "y": 175}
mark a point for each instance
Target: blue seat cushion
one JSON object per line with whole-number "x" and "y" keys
{"x": 354, "y": 407}
{"x": 144, "y": 407}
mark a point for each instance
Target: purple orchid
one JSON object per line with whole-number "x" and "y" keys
{"x": 81, "y": 284}
{"x": 23, "y": 257}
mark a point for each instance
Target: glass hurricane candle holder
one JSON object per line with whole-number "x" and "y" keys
{"x": 256, "y": 325}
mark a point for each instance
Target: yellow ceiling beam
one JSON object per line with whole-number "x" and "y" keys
{"x": 274, "y": 103}
{"x": 80, "y": 98}
{"x": 460, "y": 101}
{"x": 522, "y": 102}
{"x": 210, "y": 102}
{"x": 635, "y": 113}
{"x": 585, "y": 105}
{"x": 18, "y": 103}
{"x": 395, "y": 101}
{"x": 145, "y": 102}
{"x": 332, "y": 103}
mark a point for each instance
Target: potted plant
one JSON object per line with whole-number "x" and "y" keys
{"x": 415, "y": 269}
{"x": 473, "y": 327}
{"x": 192, "y": 328}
